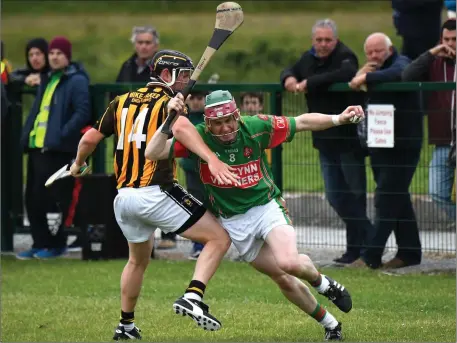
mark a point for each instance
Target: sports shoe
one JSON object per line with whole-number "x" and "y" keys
{"x": 338, "y": 295}
{"x": 27, "y": 254}
{"x": 194, "y": 255}
{"x": 198, "y": 311}
{"x": 122, "y": 334}
{"x": 50, "y": 253}
{"x": 334, "y": 334}
{"x": 346, "y": 259}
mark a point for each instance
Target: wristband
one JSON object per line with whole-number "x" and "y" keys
{"x": 336, "y": 119}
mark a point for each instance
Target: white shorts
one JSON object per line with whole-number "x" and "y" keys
{"x": 248, "y": 231}
{"x": 140, "y": 211}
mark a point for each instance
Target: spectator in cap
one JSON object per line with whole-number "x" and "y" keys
{"x": 50, "y": 137}
{"x": 36, "y": 58}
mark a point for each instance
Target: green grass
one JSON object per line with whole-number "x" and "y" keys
{"x": 77, "y": 301}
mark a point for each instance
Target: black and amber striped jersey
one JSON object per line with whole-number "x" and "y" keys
{"x": 133, "y": 118}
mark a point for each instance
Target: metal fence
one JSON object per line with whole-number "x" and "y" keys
{"x": 295, "y": 166}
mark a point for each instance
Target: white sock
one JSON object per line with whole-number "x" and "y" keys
{"x": 192, "y": 295}
{"x": 324, "y": 285}
{"x": 329, "y": 322}
{"x": 128, "y": 327}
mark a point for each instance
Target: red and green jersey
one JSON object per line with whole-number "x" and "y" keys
{"x": 255, "y": 186}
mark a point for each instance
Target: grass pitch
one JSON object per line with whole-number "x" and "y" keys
{"x": 78, "y": 301}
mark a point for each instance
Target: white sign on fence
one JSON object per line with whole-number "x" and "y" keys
{"x": 380, "y": 130}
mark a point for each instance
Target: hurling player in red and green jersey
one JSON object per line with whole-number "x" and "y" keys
{"x": 252, "y": 210}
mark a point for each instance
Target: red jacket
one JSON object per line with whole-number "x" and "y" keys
{"x": 439, "y": 103}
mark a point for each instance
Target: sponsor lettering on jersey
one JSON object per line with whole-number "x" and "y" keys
{"x": 249, "y": 173}
{"x": 139, "y": 98}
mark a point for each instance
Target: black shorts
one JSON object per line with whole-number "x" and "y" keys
{"x": 188, "y": 202}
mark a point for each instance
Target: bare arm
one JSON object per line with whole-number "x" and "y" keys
{"x": 186, "y": 133}
{"x": 158, "y": 147}
{"x": 319, "y": 121}
{"x": 87, "y": 145}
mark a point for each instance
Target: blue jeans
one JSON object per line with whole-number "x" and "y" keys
{"x": 440, "y": 180}
{"x": 345, "y": 188}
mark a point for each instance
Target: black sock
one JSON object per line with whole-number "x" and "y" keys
{"x": 196, "y": 290}
{"x": 127, "y": 317}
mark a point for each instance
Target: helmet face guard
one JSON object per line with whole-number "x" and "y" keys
{"x": 174, "y": 61}
{"x": 175, "y": 75}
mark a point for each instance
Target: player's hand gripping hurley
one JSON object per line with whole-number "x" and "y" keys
{"x": 66, "y": 171}
{"x": 229, "y": 16}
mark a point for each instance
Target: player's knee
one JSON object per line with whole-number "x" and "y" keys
{"x": 284, "y": 281}
{"x": 138, "y": 262}
{"x": 223, "y": 241}
{"x": 290, "y": 266}
{"x": 304, "y": 259}
{"x": 218, "y": 236}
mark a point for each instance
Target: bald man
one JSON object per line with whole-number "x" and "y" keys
{"x": 393, "y": 168}
{"x": 378, "y": 48}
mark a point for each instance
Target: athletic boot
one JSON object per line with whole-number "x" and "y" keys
{"x": 198, "y": 311}
{"x": 334, "y": 334}
{"x": 338, "y": 295}
{"x": 121, "y": 334}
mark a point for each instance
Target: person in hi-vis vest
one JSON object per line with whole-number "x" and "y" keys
{"x": 50, "y": 137}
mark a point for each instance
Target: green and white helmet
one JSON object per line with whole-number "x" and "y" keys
{"x": 220, "y": 104}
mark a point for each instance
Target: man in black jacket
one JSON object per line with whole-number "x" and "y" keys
{"x": 341, "y": 156}
{"x": 393, "y": 167}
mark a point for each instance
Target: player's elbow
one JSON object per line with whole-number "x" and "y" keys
{"x": 91, "y": 138}
{"x": 154, "y": 153}
{"x": 150, "y": 153}
{"x": 180, "y": 126}
{"x": 301, "y": 124}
